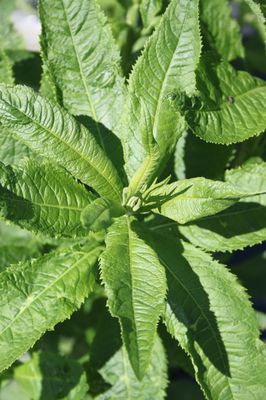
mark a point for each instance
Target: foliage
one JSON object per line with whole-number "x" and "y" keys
{"x": 127, "y": 179}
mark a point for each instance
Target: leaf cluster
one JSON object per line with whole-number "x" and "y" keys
{"x": 141, "y": 155}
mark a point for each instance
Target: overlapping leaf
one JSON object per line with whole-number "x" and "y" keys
{"x": 90, "y": 81}
{"x": 99, "y": 213}
{"x": 190, "y": 199}
{"x": 49, "y": 377}
{"x": 17, "y": 245}
{"x": 194, "y": 157}
{"x": 12, "y": 151}
{"x": 240, "y": 225}
{"x": 43, "y": 198}
{"x": 10, "y": 41}
{"x": 259, "y": 9}
{"x": 230, "y": 106}
{"x": 36, "y": 295}
{"x": 135, "y": 286}
{"x": 6, "y": 74}
{"x": 166, "y": 65}
{"x": 52, "y": 132}
{"x": 209, "y": 314}
{"x": 221, "y": 30}
{"x": 148, "y": 10}
{"x": 118, "y": 372}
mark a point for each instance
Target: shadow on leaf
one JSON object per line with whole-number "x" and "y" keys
{"x": 190, "y": 304}
{"x": 239, "y": 219}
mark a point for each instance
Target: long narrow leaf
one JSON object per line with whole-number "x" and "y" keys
{"x": 135, "y": 286}
{"x": 240, "y": 225}
{"x": 208, "y": 312}
{"x": 43, "y": 198}
{"x": 52, "y": 132}
{"x": 167, "y": 65}
{"x": 90, "y": 81}
{"x": 36, "y": 295}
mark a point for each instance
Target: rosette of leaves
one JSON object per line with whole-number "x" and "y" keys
{"x": 96, "y": 150}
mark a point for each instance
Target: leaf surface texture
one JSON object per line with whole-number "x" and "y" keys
{"x": 118, "y": 372}
{"x": 166, "y": 65}
{"x": 231, "y": 104}
{"x": 223, "y": 32}
{"x": 209, "y": 313}
{"x": 52, "y": 132}
{"x": 240, "y": 225}
{"x": 43, "y": 198}
{"x": 37, "y": 295}
{"x": 190, "y": 199}
{"x": 135, "y": 286}
{"x": 90, "y": 82}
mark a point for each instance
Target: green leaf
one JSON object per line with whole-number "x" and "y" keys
{"x": 230, "y": 107}
{"x": 43, "y": 198}
{"x": 259, "y": 9}
{"x": 222, "y": 31}
{"x": 52, "y": 132}
{"x": 17, "y": 245}
{"x": 47, "y": 86}
{"x": 90, "y": 82}
{"x": 209, "y": 314}
{"x": 12, "y": 151}
{"x": 49, "y": 377}
{"x": 166, "y": 65}
{"x": 176, "y": 356}
{"x": 135, "y": 286}
{"x": 194, "y": 157}
{"x": 37, "y": 295}
{"x": 190, "y": 199}
{"x": 118, "y": 372}
{"x": 7, "y": 7}
{"x": 10, "y": 390}
{"x": 148, "y": 10}
{"x": 99, "y": 213}
{"x": 240, "y": 225}
{"x": 10, "y": 41}
{"x": 6, "y": 73}
{"x": 110, "y": 143}
{"x": 249, "y": 177}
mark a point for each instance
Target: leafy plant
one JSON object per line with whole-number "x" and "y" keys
{"x": 131, "y": 176}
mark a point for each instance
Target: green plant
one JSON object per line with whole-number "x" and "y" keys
{"x": 88, "y": 171}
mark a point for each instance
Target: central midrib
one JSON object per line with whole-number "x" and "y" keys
{"x": 43, "y": 291}
{"x": 47, "y": 205}
{"x": 67, "y": 144}
{"x": 201, "y": 312}
{"x": 132, "y": 286}
{"x": 95, "y": 118}
{"x": 161, "y": 94}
